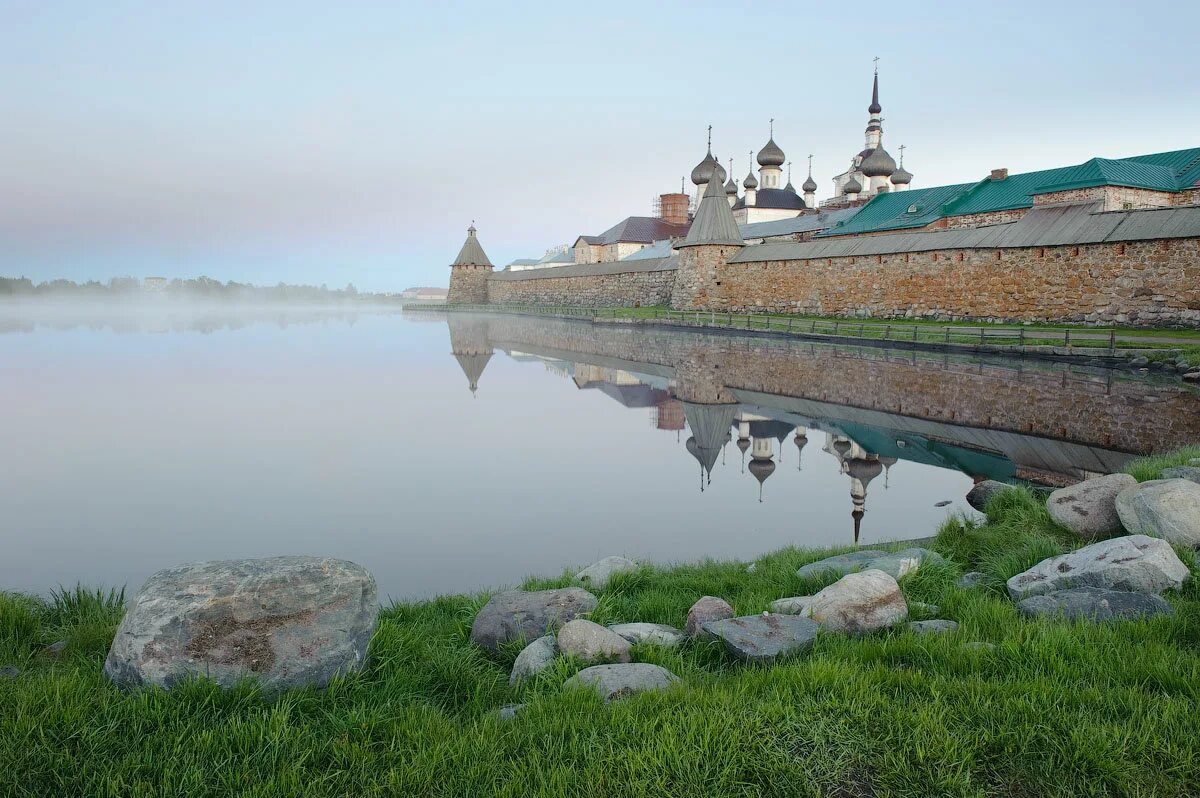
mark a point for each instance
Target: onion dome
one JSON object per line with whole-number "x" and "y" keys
{"x": 841, "y": 446}
{"x": 852, "y": 187}
{"x": 704, "y": 170}
{"x": 810, "y": 185}
{"x": 878, "y": 163}
{"x": 901, "y": 177}
{"x": 751, "y": 181}
{"x": 771, "y": 155}
{"x": 731, "y": 188}
{"x": 761, "y": 469}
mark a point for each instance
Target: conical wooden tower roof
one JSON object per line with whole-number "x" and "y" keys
{"x": 714, "y": 223}
{"x": 472, "y": 253}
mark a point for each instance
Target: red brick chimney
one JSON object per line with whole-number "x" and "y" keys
{"x": 999, "y": 174}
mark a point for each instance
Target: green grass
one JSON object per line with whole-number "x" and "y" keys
{"x": 1055, "y": 709}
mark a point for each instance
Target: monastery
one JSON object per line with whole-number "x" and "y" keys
{"x": 1105, "y": 241}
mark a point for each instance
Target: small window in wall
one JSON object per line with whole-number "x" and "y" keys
{"x": 1120, "y": 249}
{"x": 1040, "y": 252}
{"x": 1075, "y": 251}
{"x": 935, "y": 257}
{"x": 1126, "y": 206}
{"x": 879, "y": 259}
{"x": 960, "y": 257}
{"x": 997, "y": 254}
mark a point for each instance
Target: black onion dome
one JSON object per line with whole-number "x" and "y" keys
{"x": 750, "y": 182}
{"x": 771, "y": 155}
{"x": 704, "y": 170}
{"x": 852, "y": 187}
{"x": 878, "y": 163}
{"x": 875, "y": 107}
{"x": 761, "y": 469}
{"x": 901, "y": 177}
{"x": 810, "y": 185}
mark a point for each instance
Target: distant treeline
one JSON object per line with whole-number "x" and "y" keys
{"x": 198, "y": 288}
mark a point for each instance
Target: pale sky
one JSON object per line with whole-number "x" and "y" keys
{"x": 354, "y": 142}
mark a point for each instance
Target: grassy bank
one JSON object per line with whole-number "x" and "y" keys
{"x": 1054, "y": 709}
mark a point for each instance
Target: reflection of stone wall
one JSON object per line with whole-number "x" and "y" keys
{"x": 597, "y": 290}
{"x": 1127, "y": 415}
{"x": 1155, "y": 283}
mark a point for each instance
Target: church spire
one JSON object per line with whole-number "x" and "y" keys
{"x": 875, "y": 107}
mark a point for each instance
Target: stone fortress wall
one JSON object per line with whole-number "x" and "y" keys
{"x": 622, "y": 289}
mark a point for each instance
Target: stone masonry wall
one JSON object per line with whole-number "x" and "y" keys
{"x": 1155, "y": 283}
{"x": 468, "y": 285}
{"x": 629, "y": 289}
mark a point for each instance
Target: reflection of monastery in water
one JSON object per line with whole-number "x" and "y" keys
{"x": 871, "y": 409}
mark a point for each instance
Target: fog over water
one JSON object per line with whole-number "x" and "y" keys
{"x": 133, "y": 441}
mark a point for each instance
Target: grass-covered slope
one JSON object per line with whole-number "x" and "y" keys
{"x": 1054, "y": 709}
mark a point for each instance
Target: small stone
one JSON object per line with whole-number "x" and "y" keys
{"x": 614, "y": 682}
{"x": 1190, "y": 473}
{"x": 10, "y": 672}
{"x": 859, "y": 603}
{"x": 1139, "y": 361}
{"x": 598, "y": 574}
{"x": 509, "y": 711}
{"x": 764, "y": 638}
{"x": 533, "y": 659}
{"x": 1088, "y": 509}
{"x": 1135, "y": 563}
{"x": 708, "y": 608}
{"x": 1094, "y": 604}
{"x": 1165, "y": 508}
{"x": 979, "y": 646}
{"x": 978, "y": 496}
{"x": 897, "y": 563}
{"x": 971, "y": 579}
{"x": 55, "y": 649}
{"x": 923, "y": 608}
{"x": 657, "y": 634}
{"x": 940, "y": 626}
{"x": 1192, "y": 376}
{"x": 591, "y": 642}
{"x": 518, "y": 614}
{"x": 796, "y": 605}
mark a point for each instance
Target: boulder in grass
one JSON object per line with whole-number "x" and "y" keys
{"x": 282, "y": 621}
{"x": 895, "y": 563}
{"x": 598, "y": 574}
{"x": 614, "y": 682}
{"x": 859, "y": 603}
{"x": 937, "y": 627}
{"x": 1165, "y": 508}
{"x": 523, "y": 615}
{"x": 1189, "y": 472}
{"x": 1094, "y": 604}
{"x": 708, "y": 608}
{"x": 1089, "y": 508}
{"x": 793, "y": 605}
{"x": 764, "y": 638}
{"x": 592, "y": 642}
{"x": 979, "y": 495}
{"x": 533, "y": 659}
{"x": 657, "y": 634}
{"x": 1134, "y": 563}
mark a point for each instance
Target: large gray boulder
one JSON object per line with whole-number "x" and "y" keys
{"x": 708, "y": 608}
{"x": 598, "y": 574}
{"x": 1189, "y": 472}
{"x": 283, "y": 621}
{"x": 859, "y": 603}
{"x": 657, "y": 634}
{"x": 895, "y": 563}
{"x": 592, "y": 642}
{"x": 614, "y": 682}
{"x": 1134, "y": 563}
{"x": 1089, "y": 508}
{"x": 764, "y": 638}
{"x": 1094, "y": 604}
{"x": 979, "y": 495}
{"x": 1165, "y": 508}
{"x": 533, "y": 659}
{"x": 522, "y": 615}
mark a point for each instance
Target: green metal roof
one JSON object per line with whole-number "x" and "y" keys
{"x": 1163, "y": 171}
{"x": 898, "y": 210}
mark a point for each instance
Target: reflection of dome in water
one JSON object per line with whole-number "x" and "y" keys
{"x": 841, "y": 446}
{"x": 761, "y": 469}
{"x": 743, "y": 444}
{"x": 710, "y": 429}
{"x": 801, "y": 440}
{"x": 864, "y": 470}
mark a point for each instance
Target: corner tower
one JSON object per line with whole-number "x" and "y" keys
{"x": 713, "y": 239}
{"x": 469, "y": 273}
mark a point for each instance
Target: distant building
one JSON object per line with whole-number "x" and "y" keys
{"x": 425, "y": 294}
{"x": 155, "y": 284}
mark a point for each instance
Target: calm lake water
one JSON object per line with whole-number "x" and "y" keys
{"x": 135, "y": 441}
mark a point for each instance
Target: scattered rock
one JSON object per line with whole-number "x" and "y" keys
{"x": 1094, "y": 604}
{"x": 591, "y": 642}
{"x": 1195, "y": 461}
{"x": 658, "y": 634}
{"x": 1139, "y": 361}
{"x": 796, "y": 605}
{"x": 763, "y": 638}
{"x": 923, "y": 608}
{"x": 1165, "y": 508}
{"x": 979, "y": 646}
{"x": 534, "y": 658}
{"x": 10, "y": 672}
{"x": 55, "y": 649}
{"x": 1192, "y": 376}
{"x": 509, "y": 711}
{"x": 1089, "y": 508}
{"x": 1136, "y": 563}
{"x": 971, "y": 579}
{"x": 708, "y": 608}
{"x": 945, "y": 503}
{"x": 939, "y": 626}
{"x": 858, "y": 603}
{"x": 1190, "y": 473}
{"x": 599, "y": 573}
{"x": 517, "y": 614}
{"x": 897, "y": 563}
{"x": 978, "y": 496}
{"x": 285, "y": 621}
{"x": 614, "y": 682}
{"x": 752, "y": 567}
